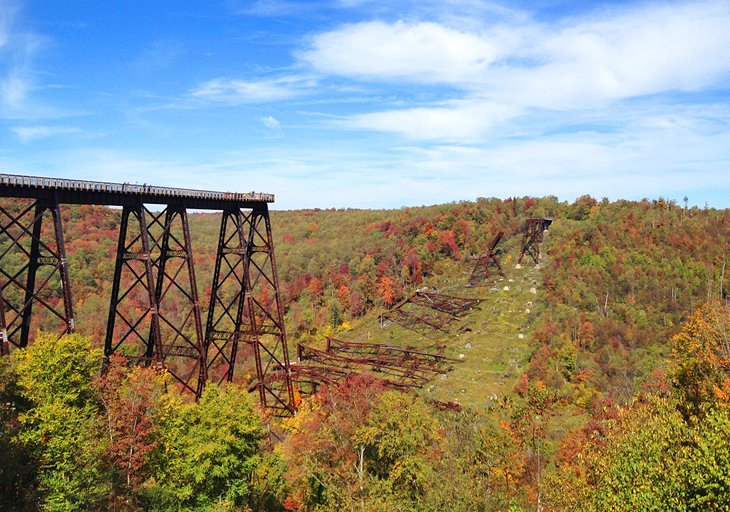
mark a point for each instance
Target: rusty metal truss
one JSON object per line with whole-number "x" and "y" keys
{"x": 399, "y": 368}
{"x": 532, "y": 237}
{"x": 455, "y": 306}
{"x": 429, "y": 312}
{"x": 245, "y": 307}
{"x": 33, "y": 271}
{"x": 406, "y": 356}
{"x": 307, "y": 378}
{"x": 487, "y": 264}
{"x": 154, "y": 313}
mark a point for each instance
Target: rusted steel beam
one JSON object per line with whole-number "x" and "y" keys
{"x": 486, "y": 263}
{"x": 133, "y": 325}
{"x": 406, "y": 371}
{"x": 532, "y": 238}
{"x": 421, "y": 322}
{"x": 4, "y": 343}
{"x": 425, "y": 312}
{"x": 154, "y": 267}
{"x": 124, "y": 194}
{"x": 245, "y": 307}
{"x": 27, "y": 232}
{"x": 450, "y": 304}
{"x": 176, "y": 292}
{"x": 389, "y": 352}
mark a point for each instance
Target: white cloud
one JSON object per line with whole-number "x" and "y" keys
{"x": 502, "y": 70}
{"x": 641, "y": 51}
{"x": 31, "y": 133}
{"x": 232, "y": 92}
{"x": 271, "y": 123}
{"x": 467, "y": 120}
{"x": 416, "y": 52}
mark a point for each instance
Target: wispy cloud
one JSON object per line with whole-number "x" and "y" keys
{"x": 464, "y": 120}
{"x": 32, "y": 133}
{"x": 272, "y": 124}
{"x": 505, "y": 69}
{"x": 231, "y": 91}
{"x": 17, "y": 51}
{"x": 273, "y": 7}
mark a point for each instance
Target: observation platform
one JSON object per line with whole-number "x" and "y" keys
{"x": 67, "y": 191}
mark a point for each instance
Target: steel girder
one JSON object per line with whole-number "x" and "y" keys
{"x": 154, "y": 312}
{"x": 245, "y": 309}
{"x": 34, "y": 231}
{"x": 428, "y": 312}
{"x": 532, "y": 238}
{"x": 485, "y": 263}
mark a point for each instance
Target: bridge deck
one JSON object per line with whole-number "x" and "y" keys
{"x": 124, "y": 194}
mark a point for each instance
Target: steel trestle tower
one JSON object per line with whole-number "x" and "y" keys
{"x": 153, "y": 272}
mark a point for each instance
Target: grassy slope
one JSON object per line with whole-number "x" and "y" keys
{"x": 492, "y": 341}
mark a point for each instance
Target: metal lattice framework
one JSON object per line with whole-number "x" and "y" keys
{"x": 402, "y": 368}
{"x": 532, "y": 238}
{"x": 155, "y": 312}
{"x": 487, "y": 263}
{"x": 245, "y": 306}
{"x": 33, "y": 266}
{"x": 406, "y": 357}
{"x": 404, "y": 373}
{"x": 154, "y": 271}
{"x": 428, "y": 312}
{"x": 307, "y": 378}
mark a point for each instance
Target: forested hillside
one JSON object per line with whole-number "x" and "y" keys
{"x": 597, "y": 379}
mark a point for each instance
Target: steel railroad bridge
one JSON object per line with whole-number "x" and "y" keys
{"x": 154, "y": 310}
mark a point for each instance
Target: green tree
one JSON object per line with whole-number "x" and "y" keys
{"x": 61, "y": 427}
{"x": 207, "y": 451}
{"x": 18, "y": 467}
{"x": 401, "y": 441}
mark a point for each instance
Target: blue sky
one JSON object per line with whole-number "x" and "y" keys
{"x": 374, "y": 104}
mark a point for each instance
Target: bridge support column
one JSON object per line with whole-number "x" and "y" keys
{"x": 4, "y": 343}
{"x": 181, "y": 328}
{"x": 532, "y": 238}
{"x": 245, "y": 307}
{"x": 482, "y": 270}
{"x": 154, "y": 268}
{"x": 33, "y": 282}
{"x": 133, "y": 306}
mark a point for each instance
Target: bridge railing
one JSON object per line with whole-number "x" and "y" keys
{"x": 37, "y": 182}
